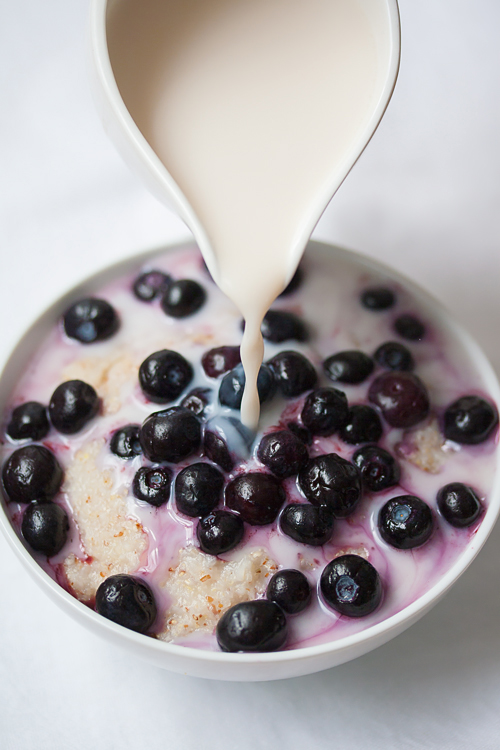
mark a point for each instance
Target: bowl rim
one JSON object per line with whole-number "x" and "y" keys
{"x": 396, "y": 622}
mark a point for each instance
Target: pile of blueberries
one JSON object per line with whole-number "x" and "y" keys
{"x": 331, "y": 485}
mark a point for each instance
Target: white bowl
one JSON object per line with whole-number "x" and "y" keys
{"x": 247, "y": 667}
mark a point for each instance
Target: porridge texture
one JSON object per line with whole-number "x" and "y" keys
{"x": 130, "y": 478}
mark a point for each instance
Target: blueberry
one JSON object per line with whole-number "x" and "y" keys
{"x": 402, "y": 398}
{"x": 289, "y": 589}
{"x": 217, "y": 361}
{"x": 394, "y": 356}
{"x": 90, "y": 320}
{"x": 31, "y": 473}
{"x": 458, "y": 504}
{"x": 379, "y": 470}
{"x": 164, "y": 375}
{"x": 378, "y": 298}
{"x": 215, "y": 448}
{"x": 325, "y": 411}
{"x": 150, "y": 285}
{"x": 256, "y": 497}
{"x": 279, "y": 326}
{"x": 45, "y": 527}
{"x": 232, "y": 385}
{"x": 128, "y": 601}
{"x": 409, "y": 327}
{"x": 293, "y": 372}
{"x": 283, "y": 453}
{"x": 259, "y": 625}
{"x": 196, "y": 400}
{"x": 405, "y": 522}
{"x": 363, "y": 425}
{"x": 198, "y": 489}
{"x": 28, "y": 422}
{"x": 351, "y": 586}
{"x": 152, "y": 485}
{"x": 183, "y": 298}
{"x": 125, "y": 441}
{"x": 294, "y": 283}
{"x": 470, "y": 420}
{"x": 307, "y": 524}
{"x": 301, "y": 432}
{"x": 170, "y": 435}
{"x": 220, "y": 532}
{"x": 73, "y": 404}
{"x": 332, "y": 481}
{"x": 348, "y": 367}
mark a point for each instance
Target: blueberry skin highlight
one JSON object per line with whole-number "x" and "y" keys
{"x": 45, "y": 527}
{"x": 215, "y": 448}
{"x": 183, "y": 298}
{"x": 128, "y": 601}
{"x": 198, "y": 489}
{"x": 28, "y": 421}
{"x": 307, "y": 524}
{"x": 378, "y": 298}
{"x": 409, "y": 327}
{"x": 233, "y": 384}
{"x": 402, "y": 398}
{"x": 220, "y": 532}
{"x": 164, "y": 375}
{"x": 332, "y": 481}
{"x": 459, "y": 504}
{"x": 351, "y": 586}
{"x": 348, "y": 367}
{"x": 470, "y": 420}
{"x": 90, "y": 320}
{"x": 31, "y": 473}
{"x": 125, "y": 442}
{"x": 405, "y": 522}
{"x": 150, "y": 284}
{"x": 325, "y": 411}
{"x": 379, "y": 469}
{"x": 73, "y": 404}
{"x": 152, "y": 485}
{"x": 289, "y": 589}
{"x": 256, "y": 497}
{"x": 394, "y": 356}
{"x": 363, "y": 425}
{"x": 254, "y": 626}
{"x": 279, "y": 326}
{"x": 170, "y": 435}
{"x": 283, "y": 453}
{"x": 294, "y": 373}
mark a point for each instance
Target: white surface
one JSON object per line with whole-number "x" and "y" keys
{"x": 425, "y": 198}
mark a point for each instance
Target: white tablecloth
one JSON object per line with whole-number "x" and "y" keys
{"x": 425, "y": 198}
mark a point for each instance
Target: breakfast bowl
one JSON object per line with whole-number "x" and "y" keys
{"x": 339, "y": 296}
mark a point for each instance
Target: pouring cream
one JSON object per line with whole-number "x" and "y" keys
{"x": 257, "y": 109}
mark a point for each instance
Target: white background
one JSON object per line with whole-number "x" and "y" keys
{"x": 425, "y": 197}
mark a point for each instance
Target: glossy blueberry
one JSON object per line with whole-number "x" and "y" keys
{"x": 402, "y": 398}
{"x": 215, "y": 448}
{"x": 294, "y": 373}
{"x": 254, "y": 626}
{"x": 307, "y": 524}
{"x": 332, "y": 481}
{"x": 152, "y": 485}
{"x": 73, "y": 404}
{"x": 90, "y": 320}
{"x": 351, "y": 586}
{"x": 170, "y": 435}
{"x": 302, "y": 432}
{"x": 196, "y": 400}
{"x": 283, "y": 453}
{"x": 150, "y": 284}
{"x": 458, "y": 504}
{"x": 198, "y": 489}
{"x": 379, "y": 470}
{"x": 325, "y": 411}
{"x": 289, "y": 589}
{"x": 164, "y": 375}
{"x": 232, "y": 385}
{"x": 378, "y": 298}
{"x": 256, "y": 497}
{"x": 294, "y": 283}
{"x": 470, "y": 420}
{"x": 127, "y": 601}
{"x": 405, "y": 522}
{"x": 348, "y": 367}
{"x": 363, "y": 425}
{"x": 220, "y": 532}
{"x": 183, "y": 298}
{"x": 45, "y": 527}
{"x": 28, "y": 421}
{"x": 31, "y": 473}
{"x": 279, "y": 326}
{"x": 220, "y": 360}
{"x": 125, "y": 442}
{"x": 394, "y": 356}
{"x": 409, "y": 327}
